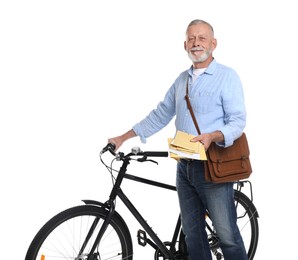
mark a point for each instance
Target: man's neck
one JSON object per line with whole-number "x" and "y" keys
{"x": 204, "y": 64}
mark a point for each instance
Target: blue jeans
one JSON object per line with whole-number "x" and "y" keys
{"x": 195, "y": 196}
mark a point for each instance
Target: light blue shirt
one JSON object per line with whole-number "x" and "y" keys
{"x": 217, "y": 100}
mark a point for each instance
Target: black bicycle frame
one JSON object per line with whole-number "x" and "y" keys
{"x": 117, "y": 192}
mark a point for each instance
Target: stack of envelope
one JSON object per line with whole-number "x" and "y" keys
{"x": 182, "y": 147}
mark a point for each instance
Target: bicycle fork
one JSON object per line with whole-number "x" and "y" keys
{"x": 101, "y": 232}
{"x": 110, "y": 207}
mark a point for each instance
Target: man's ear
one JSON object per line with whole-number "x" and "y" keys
{"x": 214, "y": 44}
{"x": 184, "y": 45}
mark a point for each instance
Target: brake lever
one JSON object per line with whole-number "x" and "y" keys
{"x": 137, "y": 151}
{"x": 144, "y": 159}
{"x": 150, "y": 160}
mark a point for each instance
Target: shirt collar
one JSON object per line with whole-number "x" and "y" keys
{"x": 210, "y": 69}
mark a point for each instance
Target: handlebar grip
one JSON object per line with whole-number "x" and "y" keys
{"x": 109, "y": 147}
{"x": 156, "y": 154}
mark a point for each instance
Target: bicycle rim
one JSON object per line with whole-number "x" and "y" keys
{"x": 63, "y": 237}
{"x": 247, "y": 221}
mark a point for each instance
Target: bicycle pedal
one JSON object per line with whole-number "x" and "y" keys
{"x": 142, "y": 238}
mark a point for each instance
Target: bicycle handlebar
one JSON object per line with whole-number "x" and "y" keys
{"x": 155, "y": 154}
{"x": 135, "y": 151}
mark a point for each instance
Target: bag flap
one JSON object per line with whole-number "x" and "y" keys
{"x": 236, "y": 151}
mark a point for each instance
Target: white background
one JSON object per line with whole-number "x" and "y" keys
{"x": 74, "y": 73}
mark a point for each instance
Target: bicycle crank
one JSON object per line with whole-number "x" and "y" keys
{"x": 159, "y": 255}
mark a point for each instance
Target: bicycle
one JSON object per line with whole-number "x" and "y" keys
{"x": 96, "y": 230}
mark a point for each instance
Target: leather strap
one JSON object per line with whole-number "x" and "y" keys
{"x": 190, "y": 108}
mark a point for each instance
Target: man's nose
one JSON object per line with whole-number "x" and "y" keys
{"x": 197, "y": 42}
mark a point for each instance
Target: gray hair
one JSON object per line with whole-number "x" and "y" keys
{"x": 198, "y": 21}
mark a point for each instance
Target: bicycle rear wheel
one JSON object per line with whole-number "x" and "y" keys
{"x": 64, "y": 236}
{"x": 247, "y": 221}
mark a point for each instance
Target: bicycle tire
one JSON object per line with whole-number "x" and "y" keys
{"x": 63, "y": 235}
{"x": 247, "y": 221}
{"x": 253, "y": 225}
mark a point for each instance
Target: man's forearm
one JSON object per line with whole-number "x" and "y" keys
{"x": 217, "y": 136}
{"x": 128, "y": 135}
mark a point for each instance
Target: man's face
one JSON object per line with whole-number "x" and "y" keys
{"x": 199, "y": 42}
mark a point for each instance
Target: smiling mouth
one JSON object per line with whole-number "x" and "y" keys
{"x": 196, "y": 52}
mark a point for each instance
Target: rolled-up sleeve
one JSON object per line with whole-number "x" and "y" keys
{"x": 158, "y": 118}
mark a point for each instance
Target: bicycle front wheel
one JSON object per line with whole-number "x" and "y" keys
{"x": 71, "y": 234}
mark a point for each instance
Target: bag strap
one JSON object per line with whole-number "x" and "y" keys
{"x": 190, "y": 108}
{"x": 206, "y": 171}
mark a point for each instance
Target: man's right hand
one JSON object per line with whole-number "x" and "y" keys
{"x": 119, "y": 140}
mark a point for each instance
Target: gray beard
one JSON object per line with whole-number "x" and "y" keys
{"x": 201, "y": 59}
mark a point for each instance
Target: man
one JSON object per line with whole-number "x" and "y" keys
{"x": 217, "y": 99}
